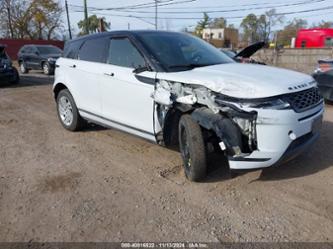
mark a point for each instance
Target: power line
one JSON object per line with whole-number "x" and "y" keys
{"x": 223, "y": 11}
{"x": 199, "y": 18}
{"x": 143, "y": 5}
{"x": 229, "y": 6}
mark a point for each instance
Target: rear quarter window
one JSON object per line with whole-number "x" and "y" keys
{"x": 94, "y": 50}
{"x": 71, "y": 49}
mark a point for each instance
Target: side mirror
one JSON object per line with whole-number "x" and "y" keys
{"x": 37, "y": 53}
{"x": 141, "y": 69}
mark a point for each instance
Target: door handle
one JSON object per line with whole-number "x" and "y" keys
{"x": 109, "y": 74}
{"x": 73, "y": 66}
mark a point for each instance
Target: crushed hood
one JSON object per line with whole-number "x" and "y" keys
{"x": 243, "y": 80}
{"x": 250, "y": 50}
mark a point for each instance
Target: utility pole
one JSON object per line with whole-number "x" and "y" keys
{"x": 68, "y": 21}
{"x": 128, "y": 26}
{"x": 156, "y": 3}
{"x": 86, "y": 21}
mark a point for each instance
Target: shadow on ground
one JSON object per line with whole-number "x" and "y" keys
{"x": 319, "y": 157}
{"x": 26, "y": 80}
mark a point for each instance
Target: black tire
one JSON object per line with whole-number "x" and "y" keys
{"x": 77, "y": 122}
{"x": 23, "y": 68}
{"x": 192, "y": 148}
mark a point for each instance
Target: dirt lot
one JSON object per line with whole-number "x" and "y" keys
{"x": 104, "y": 185}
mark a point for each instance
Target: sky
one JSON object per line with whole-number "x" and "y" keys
{"x": 234, "y": 9}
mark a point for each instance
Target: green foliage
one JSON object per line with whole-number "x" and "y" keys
{"x": 92, "y": 25}
{"x": 260, "y": 28}
{"x": 35, "y": 19}
{"x": 202, "y": 25}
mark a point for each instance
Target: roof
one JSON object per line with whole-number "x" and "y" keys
{"x": 121, "y": 32}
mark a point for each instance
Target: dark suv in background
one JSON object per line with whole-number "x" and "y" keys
{"x": 39, "y": 57}
{"x": 8, "y": 73}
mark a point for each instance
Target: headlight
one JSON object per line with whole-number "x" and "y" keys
{"x": 275, "y": 104}
{"x": 51, "y": 60}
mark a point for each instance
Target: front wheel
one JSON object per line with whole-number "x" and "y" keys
{"x": 192, "y": 148}
{"x": 67, "y": 112}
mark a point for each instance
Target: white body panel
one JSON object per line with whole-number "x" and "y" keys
{"x": 243, "y": 80}
{"x": 83, "y": 79}
{"x": 125, "y": 99}
{"x": 273, "y": 138}
{"x": 121, "y": 101}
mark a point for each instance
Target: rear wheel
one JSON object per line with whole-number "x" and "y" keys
{"x": 67, "y": 112}
{"x": 192, "y": 148}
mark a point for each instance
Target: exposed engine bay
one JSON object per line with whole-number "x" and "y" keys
{"x": 234, "y": 128}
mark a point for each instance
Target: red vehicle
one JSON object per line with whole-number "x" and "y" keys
{"x": 314, "y": 38}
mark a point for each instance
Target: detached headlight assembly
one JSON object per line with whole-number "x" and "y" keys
{"x": 274, "y": 104}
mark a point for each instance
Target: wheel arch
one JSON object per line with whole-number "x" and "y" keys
{"x": 170, "y": 124}
{"x": 58, "y": 87}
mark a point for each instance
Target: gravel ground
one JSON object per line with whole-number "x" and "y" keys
{"x": 105, "y": 185}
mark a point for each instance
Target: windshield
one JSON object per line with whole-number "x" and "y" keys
{"x": 229, "y": 53}
{"x": 180, "y": 51}
{"x": 49, "y": 50}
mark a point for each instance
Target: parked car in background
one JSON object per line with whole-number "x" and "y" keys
{"x": 324, "y": 76}
{"x": 244, "y": 56}
{"x": 8, "y": 73}
{"x": 314, "y": 38}
{"x": 176, "y": 89}
{"x": 38, "y": 57}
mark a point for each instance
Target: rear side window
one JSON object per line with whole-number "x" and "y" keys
{"x": 123, "y": 53}
{"x": 27, "y": 50}
{"x": 94, "y": 50}
{"x": 71, "y": 49}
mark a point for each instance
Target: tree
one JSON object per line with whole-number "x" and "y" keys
{"x": 290, "y": 31}
{"x": 201, "y": 25}
{"x": 323, "y": 24}
{"x": 35, "y": 19}
{"x": 270, "y": 20}
{"x": 260, "y": 28}
{"x": 92, "y": 25}
{"x": 250, "y": 27}
{"x": 218, "y": 23}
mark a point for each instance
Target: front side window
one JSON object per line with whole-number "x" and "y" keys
{"x": 93, "y": 50}
{"x": 123, "y": 53}
{"x": 179, "y": 51}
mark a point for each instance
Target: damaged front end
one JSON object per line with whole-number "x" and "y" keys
{"x": 234, "y": 128}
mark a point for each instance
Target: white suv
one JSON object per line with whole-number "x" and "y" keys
{"x": 175, "y": 89}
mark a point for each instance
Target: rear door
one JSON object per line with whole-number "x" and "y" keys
{"x": 85, "y": 73}
{"x": 126, "y": 96}
{"x": 27, "y": 56}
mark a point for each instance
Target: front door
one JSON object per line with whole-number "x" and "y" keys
{"x": 126, "y": 96}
